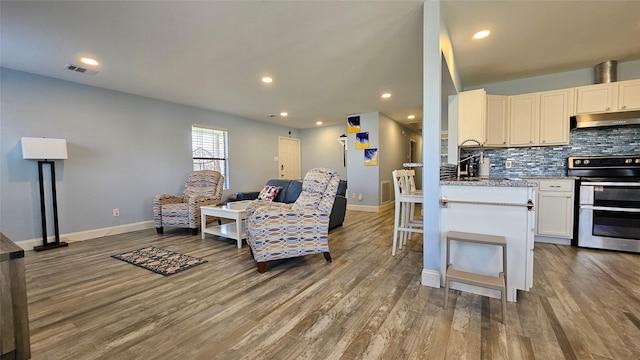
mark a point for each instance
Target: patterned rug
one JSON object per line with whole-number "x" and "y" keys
{"x": 159, "y": 261}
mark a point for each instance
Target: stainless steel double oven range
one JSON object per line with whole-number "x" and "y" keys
{"x": 608, "y": 202}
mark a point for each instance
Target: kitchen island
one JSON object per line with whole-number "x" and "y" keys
{"x": 492, "y": 206}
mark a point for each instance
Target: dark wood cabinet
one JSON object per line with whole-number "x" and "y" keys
{"x": 14, "y": 322}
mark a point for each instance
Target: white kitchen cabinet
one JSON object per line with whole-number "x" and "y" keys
{"x": 540, "y": 119}
{"x": 523, "y": 118}
{"x": 629, "y": 95}
{"x": 497, "y": 126}
{"x": 609, "y": 97}
{"x": 596, "y": 98}
{"x": 471, "y": 115}
{"x": 555, "y": 208}
{"x": 555, "y": 110}
{"x": 490, "y": 210}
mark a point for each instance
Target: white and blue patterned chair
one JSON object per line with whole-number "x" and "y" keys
{"x": 202, "y": 188}
{"x": 279, "y": 231}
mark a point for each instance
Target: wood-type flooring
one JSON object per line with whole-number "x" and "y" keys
{"x": 83, "y": 304}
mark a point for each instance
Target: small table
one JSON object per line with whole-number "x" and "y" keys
{"x": 234, "y": 211}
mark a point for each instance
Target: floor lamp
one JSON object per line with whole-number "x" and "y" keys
{"x": 45, "y": 150}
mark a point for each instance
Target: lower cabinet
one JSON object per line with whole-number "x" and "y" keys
{"x": 554, "y": 215}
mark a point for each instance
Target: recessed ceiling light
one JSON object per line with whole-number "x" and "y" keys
{"x": 267, "y": 79}
{"x": 481, "y": 34}
{"x": 318, "y": 122}
{"x": 386, "y": 95}
{"x": 411, "y": 117}
{"x": 88, "y": 61}
{"x": 283, "y": 114}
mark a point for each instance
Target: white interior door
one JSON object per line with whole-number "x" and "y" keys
{"x": 289, "y": 158}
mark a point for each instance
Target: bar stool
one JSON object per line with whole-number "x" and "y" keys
{"x": 406, "y": 196}
{"x": 491, "y": 282}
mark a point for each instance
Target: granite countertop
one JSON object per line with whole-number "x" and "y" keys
{"x": 490, "y": 181}
{"x": 550, "y": 177}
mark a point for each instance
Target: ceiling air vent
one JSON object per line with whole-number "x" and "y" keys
{"x": 80, "y": 69}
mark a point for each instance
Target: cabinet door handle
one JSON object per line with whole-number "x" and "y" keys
{"x": 608, "y": 108}
{"x": 624, "y": 106}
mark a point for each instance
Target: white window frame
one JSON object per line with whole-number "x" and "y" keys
{"x": 212, "y": 153}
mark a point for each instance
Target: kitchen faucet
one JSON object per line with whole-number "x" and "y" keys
{"x": 460, "y": 161}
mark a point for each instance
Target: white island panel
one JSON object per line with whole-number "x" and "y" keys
{"x": 491, "y": 210}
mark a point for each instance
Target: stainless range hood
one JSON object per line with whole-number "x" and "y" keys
{"x": 605, "y": 119}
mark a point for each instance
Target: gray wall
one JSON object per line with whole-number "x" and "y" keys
{"x": 626, "y": 71}
{"x": 392, "y": 141}
{"x": 363, "y": 179}
{"x": 319, "y": 147}
{"x": 395, "y": 144}
{"x": 123, "y": 150}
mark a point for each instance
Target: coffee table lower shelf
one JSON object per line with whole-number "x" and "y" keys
{"x": 226, "y": 230}
{"x": 235, "y": 211}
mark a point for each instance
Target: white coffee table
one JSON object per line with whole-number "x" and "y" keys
{"x": 234, "y": 211}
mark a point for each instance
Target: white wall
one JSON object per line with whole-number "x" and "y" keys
{"x": 433, "y": 29}
{"x": 123, "y": 150}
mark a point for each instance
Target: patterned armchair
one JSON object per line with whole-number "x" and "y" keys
{"x": 201, "y": 188}
{"x": 279, "y": 231}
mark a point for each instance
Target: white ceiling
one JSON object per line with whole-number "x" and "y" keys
{"x": 329, "y": 59}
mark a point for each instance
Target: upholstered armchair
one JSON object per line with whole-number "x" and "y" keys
{"x": 201, "y": 188}
{"x": 278, "y": 230}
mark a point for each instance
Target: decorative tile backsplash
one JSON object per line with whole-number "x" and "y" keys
{"x": 552, "y": 161}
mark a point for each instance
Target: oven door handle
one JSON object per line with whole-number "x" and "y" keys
{"x": 607, "y": 208}
{"x": 604, "y": 183}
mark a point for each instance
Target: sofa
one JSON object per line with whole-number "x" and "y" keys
{"x": 290, "y": 191}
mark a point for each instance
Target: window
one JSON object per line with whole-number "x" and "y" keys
{"x": 209, "y": 147}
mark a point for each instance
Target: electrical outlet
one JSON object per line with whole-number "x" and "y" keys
{"x": 508, "y": 163}
{"x": 360, "y": 197}
{"x": 353, "y": 195}
{"x": 116, "y": 212}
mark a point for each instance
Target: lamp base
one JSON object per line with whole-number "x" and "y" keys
{"x": 50, "y": 246}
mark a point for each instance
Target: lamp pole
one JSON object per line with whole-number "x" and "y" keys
{"x": 46, "y": 245}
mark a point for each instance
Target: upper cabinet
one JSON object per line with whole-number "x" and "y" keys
{"x": 497, "y": 125}
{"x": 600, "y": 98}
{"x": 555, "y": 109}
{"x": 523, "y": 118}
{"x": 540, "y": 119}
{"x": 471, "y": 115}
{"x": 537, "y": 119}
{"x": 629, "y": 95}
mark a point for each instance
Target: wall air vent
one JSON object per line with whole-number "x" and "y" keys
{"x": 385, "y": 191}
{"x": 80, "y": 69}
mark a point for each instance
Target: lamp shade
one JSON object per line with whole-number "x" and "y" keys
{"x": 43, "y": 148}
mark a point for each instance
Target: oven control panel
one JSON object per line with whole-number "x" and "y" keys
{"x": 577, "y": 162}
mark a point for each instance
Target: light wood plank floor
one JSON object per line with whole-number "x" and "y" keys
{"x": 83, "y": 304}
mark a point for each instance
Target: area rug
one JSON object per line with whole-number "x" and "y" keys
{"x": 159, "y": 261}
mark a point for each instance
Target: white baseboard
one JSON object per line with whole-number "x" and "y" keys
{"x": 431, "y": 278}
{"x": 89, "y": 234}
{"x": 370, "y": 208}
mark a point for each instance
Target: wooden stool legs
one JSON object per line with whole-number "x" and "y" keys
{"x": 491, "y": 282}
